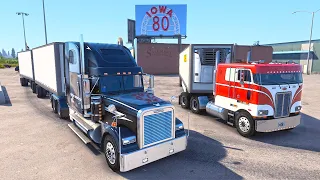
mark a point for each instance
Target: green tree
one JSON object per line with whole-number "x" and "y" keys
{"x": 0, "y": 54}
{"x": 13, "y": 53}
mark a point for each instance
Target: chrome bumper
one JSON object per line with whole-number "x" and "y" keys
{"x": 277, "y": 124}
{"x": 145, "y": 156}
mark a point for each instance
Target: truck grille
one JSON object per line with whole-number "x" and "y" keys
{"x": 157, "y": 127}
{"x": 282, "y": 105}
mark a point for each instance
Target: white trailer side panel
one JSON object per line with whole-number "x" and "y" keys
{"x": 25, "y": 64}
{"x": 184, "y": 66}
{"x": 49, "y": 67}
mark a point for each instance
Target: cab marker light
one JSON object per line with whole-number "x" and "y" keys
{"x": 106, "y": 74}
{"x": 118, "y": 73}
{"x": 144, "y": 160}
{"x": 129, "y": 72}
{"x": 124, "y": 73}
{"x": 171, "y": 151}
{"x": 114, "y": 124}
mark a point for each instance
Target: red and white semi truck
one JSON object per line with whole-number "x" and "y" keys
{"x": 254, "y": 95}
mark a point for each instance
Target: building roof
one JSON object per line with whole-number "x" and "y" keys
{"x": 294, "y": 42}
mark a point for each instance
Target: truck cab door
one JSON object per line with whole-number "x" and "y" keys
{"x": 74, "y": 96}
{"x": 243, "y": 81}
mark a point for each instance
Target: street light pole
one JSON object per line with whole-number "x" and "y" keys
{"x": 308, "y": 58}
{"x": 309, "y": 48}
{"x": 44, "y": 21}
{"x": 24, "y": 31}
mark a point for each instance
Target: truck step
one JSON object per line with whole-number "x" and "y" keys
{"x": 79, "y": 133}
{"x": 231, "y": 114}
{"x": 83, "y": 123}
{"x": 230, "y": 123}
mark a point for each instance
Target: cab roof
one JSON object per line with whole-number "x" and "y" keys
{"x": 266, "y": 68}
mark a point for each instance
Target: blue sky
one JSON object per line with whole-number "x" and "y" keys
{"x": 232, "y": 21}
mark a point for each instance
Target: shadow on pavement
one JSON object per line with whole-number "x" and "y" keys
{"x": 6, "y": 96}
{"x": 306, "y": 136}
{"x": 199, "y": 161}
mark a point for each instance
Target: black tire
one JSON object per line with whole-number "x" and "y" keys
{"x": 184, "y": 100}
{"x": 41, "y": 93}
{"x": 245, "y": 124}
{"x": 23, "y": 82}
{"x": 115, "y": 166}
{"x": 33, "y": 87}
{"x": 194, "y": 105}
{"x": 54, "y": 105}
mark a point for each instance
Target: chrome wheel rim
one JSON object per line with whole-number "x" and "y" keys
{"x": 244, "y": 124}
{"x": 110, "y": 153}
{"x": 194, "y": 104}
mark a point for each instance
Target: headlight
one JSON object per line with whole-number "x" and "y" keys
{"x": 179, "y": 127}
{"x": 298, "y": 108}
{"x": 128, "y": 140}
{"x": 263, "y": 112}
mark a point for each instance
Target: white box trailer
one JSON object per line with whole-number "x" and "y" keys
{"x": 25, "y": 66}
{"x": 197, "y": 74}
{"x": 48, "y": 61}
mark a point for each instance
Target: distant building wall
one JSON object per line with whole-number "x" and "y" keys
{"x": 298, "y": 53}
{"x": 159, "y": 58}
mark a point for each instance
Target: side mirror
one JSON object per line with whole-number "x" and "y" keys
{"x": 111, "y": 108}
{"x": 151, "y": 81}
{"x": 241, "y": 78}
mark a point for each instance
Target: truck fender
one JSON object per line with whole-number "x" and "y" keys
{"x": 109, "y": 130}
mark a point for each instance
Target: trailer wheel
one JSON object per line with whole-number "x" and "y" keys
{"x": 245, "y": 124}
{"x": 184, "y": 100}
{"x": 33, "y": 87}
{"x": 41, "y": 93}
{"x": 194, "y": 104}
{"x": 23, "y": 82}
{"x": 111, "y": 153}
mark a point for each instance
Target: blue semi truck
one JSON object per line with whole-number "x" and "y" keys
{"x": 100, "y": 88}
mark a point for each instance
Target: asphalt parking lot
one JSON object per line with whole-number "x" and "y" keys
{"x": 36, "y": 144}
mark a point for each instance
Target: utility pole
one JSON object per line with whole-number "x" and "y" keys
{"x": 44, "y": 21}
{"x": 24, "y": 31}
{"x": 309, "y": 48}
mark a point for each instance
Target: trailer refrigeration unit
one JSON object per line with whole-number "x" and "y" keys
{"x": 100, "y": 88}
{"x": 253, "y": 94}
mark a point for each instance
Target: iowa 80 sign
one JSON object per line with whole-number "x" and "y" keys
{"x": 161, "y": 20}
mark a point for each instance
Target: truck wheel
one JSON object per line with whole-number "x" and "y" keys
{"x": 41, "y": 93}
{"x": 33, "y": 87}
{"x": 23, "y": 82}
{"x": 111, "y": 152}
{"x": 194, "y": 104}
{"x": 184, "y": 100}
{"x": 54, "y": 105}
{"x": 245, "y": 124}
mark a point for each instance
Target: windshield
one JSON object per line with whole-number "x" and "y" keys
{"x": 277, "y": 79}
{"x": 119, "y": 84}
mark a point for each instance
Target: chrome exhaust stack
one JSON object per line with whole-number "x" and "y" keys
{"x": 217, "y": 111}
